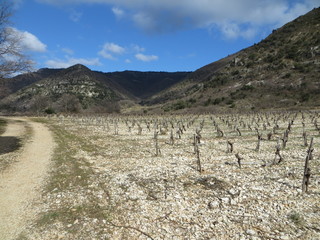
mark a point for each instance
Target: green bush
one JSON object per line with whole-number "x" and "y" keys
{"x": 208, "y": 102}
{"x": 230, "y": 102}
{"x": 302, "y": 67}
{"x": 296, "y": 218}
{"x": 305, "y": 97}
{"x": 287, "y": 75}
{"x": 249, "y": 64}
{"x": 192, "y": 100}
{"x": 179, "y": 105}
{"x": 247, "y": 88}
{"x": 269, "y": 58}
{"x": 236, "y": 72}
{"x": 217, "y": 101}
{"x": 49, "y": 111}
{"x": 252, "y": 56}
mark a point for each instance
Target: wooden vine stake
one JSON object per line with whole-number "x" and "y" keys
{"x": 259, "y": 140}
{"x": 171, "y": 138}
{"x": 278, "y": 153}
{"x": 158, "y": 152}
{"x": 305, "y": 140}
{"x": 307, "y": 170}
{"x": 196, "y": 142}
{"x": 229, "y": 147}
{"x": 239, "y": 159}
{"x": 139, "y": 129}
{"x": 198, "y": 157}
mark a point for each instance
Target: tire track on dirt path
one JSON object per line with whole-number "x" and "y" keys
{"x": 21, "y": 183}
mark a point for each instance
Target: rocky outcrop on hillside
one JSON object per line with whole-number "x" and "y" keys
{"x": 72, "y": 89}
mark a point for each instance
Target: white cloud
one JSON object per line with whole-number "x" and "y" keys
{"x": 68, "y": 51}
{"x": 137, "y": 48}
{"x": 233, "y": 31}
{"x": 110, "y": 49}
{"x": 28, "y": 41}
{"x": 118, "y": 12}
{"x": 166, "y": 15}
{"x": 145, "y": 21}
{"x": 146, "y": 58}
{"x": 75, "y": 16}
{"x": 59, "y": 63}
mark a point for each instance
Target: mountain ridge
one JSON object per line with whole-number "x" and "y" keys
{"x": 280, "y": 72}
{"x": 82, "y": 86}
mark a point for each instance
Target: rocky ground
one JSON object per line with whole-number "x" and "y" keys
{"x": 110, "y": 182}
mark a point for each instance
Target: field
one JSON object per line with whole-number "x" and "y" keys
{"x": 176, "y": 177}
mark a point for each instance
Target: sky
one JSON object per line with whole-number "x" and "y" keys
{"x": 146, "y": 35}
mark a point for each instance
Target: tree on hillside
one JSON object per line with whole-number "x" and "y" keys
{"x": 68, "y": 103}
{"x": 12, "y": 58}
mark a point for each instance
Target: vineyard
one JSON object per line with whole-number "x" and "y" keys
{"x": 232, "y": 176}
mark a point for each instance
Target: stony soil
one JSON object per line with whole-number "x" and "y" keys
{"x": 109, "y": 183}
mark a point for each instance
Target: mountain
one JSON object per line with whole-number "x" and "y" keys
{"x": 145, "y": 84}
{"x": 12, "y": 85}
{"x": 77, "y": 88}
{"x": 282, "y": 71}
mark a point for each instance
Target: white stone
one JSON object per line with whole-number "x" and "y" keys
{"x": 213, "y": 204}
{"x": 251, "y": 232}
{"x": 285, "y": 237}
{"x": 225, "y": 199}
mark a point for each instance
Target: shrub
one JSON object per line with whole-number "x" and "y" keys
{"x": 208, "y": 102}
{"x": 217, "y": 101}
{"x": 236, "y": 72}
{"x": 300, "y": 67}
{"x": 249, "y": 64}
{"x": 305, "y": 97}
{"x": 269, "y": 58}
{"x": 49, "y": 111}
{"x": 230, "y": 102}
{"x": 247, "y": 88}
{"x": 179, "y": 105}
{"x": 192, "y": 100}
{"x": 287, "y": 75}
{"x": 252, "y": 56}
{"x": 296, "y": 218}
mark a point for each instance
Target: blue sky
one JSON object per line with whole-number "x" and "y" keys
{"x": 146, "y": 35}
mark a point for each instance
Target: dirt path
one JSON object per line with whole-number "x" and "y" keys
{"x": 20, "y": 184}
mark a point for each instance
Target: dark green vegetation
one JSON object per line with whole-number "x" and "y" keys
{"x": 3, "y": 124}
{"x": 280, "y": 72}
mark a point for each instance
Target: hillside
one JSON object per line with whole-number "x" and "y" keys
{"x": 145, "y": 84}
{"x": 12, "y": 85}
{"x": 282, "y": 71}
{"x": 67, "y": 90}
{"x": 78, "y": 88}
